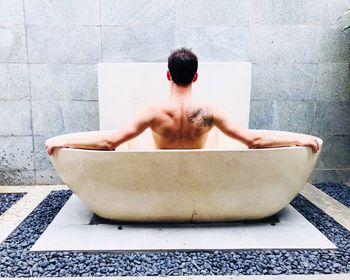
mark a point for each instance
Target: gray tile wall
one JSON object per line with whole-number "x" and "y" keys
{"x": 49, "y": 50}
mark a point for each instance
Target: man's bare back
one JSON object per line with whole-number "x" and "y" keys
{"x": 182, "y": 122}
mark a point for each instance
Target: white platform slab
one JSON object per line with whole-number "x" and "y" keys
{"x": 70, "y": 231}
{"x": 226, "y": 84}
{"x": 125, "y": 89}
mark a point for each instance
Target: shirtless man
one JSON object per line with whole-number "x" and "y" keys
{"x": 182, "y": 122}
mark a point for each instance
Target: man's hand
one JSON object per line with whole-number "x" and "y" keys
{"x": 53, "y": 143}
{"x": 309, "y": 141}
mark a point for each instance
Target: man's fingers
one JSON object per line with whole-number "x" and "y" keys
{"x": 50, "y": 150}
{"x": 318, "y": 144}
{"x": 313, "y": 147}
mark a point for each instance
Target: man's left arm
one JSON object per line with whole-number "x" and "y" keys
{"x": 106, "y": 141}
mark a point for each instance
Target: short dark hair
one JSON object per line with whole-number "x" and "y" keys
{"x": 183, "y": 65}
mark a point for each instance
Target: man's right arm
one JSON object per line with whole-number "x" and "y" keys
{"x": 107, "y": 140}
{"x": 256, "y": 139}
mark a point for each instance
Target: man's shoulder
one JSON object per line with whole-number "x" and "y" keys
{"x": 156, "y": 109}
{"x": 204, "y": 105}
{"x": 155, "y": 106}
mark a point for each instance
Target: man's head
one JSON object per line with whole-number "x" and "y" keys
{"x": 183, "y": 65}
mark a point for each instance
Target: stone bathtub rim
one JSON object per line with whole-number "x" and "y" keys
{"x": 189, "y": 150}
{"x": 204, "y": 150}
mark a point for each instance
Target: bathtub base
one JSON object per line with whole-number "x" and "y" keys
{"x": 292, "y": 231}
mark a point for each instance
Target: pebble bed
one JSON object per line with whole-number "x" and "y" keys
{"x": 340, "y": 192}
{"x": 17, "y": 261}
{"x": 8, "y": 199}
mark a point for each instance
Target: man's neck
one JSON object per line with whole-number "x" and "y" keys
{"x": 179, "y": 92}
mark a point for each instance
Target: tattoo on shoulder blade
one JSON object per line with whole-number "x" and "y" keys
{"x": 200, "y": 116}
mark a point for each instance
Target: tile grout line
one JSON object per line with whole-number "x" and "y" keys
{"x": 336, "y": 210}
{"x": 30, "y": 90}
{"x": 100, "y": 27}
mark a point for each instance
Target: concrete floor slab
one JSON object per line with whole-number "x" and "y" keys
{"x": 70, "y": 231}
{"x": 11, "y": 219}
{"x": 34, "y": 195}
{"x": 27, "y": 189}
{"x": 328, "y": 204}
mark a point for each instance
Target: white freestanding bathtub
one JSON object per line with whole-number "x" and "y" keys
{"x": 186, "y": 185}
{"x": 226, "y": 181}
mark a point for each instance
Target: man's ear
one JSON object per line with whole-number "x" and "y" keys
{"x": 168, "y": 75}
{"x": 195, "y": 77}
